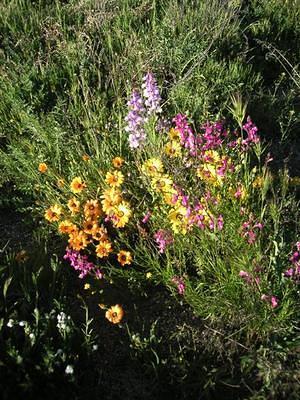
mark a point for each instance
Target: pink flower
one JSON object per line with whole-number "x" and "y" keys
{"x": 180, "y": 284}
{"x": 146, "y": 217}
{"x": 272, "y": 300}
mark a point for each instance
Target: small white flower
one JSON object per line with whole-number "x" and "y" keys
{"x": 10, "y": 323}
{"x": 31, "y": 336}
{"x": 69, "y": 369}
{"x": 95, "y": 347}
{"x": 22, "y": 323}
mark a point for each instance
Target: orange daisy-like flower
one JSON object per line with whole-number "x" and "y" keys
{"x": 78, "y": 241}
{"x": 114, "y": 179}
{"x": 43, "y": 168}
{"x": 89, "y": 226}
{"x": 124, "y": 257}
{"x": 99, "y": 234}
{"x": 74, "y": 205}
{"x": 118, "y": 162}
{"x": 103, "y": 249}
{"x": 92, "y": 208}
{"x": 115, "y": 314}
{"x": 77, "y": 185}
{"x": 53, "y": 213}
{"x": 67, "y": 227}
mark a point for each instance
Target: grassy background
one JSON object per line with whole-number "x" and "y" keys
{"x": 67, "y": 68}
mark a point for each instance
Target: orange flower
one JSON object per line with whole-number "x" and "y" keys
{"x": 85, "y": 157}
{"x": 53, "y": 213}
{"x": 43, "y": 168}
{"x": 115, "y": 314}
{"x": 77, "y": 185}
{"x": 104, "y": 248}
{"x": 124, "y": 257}
{"x": 73, "y": 205}
{"x": 115, "y": 178}
{"x": 118, "y": 162}
{"x": 92, "y": 208}
{"x": 89, "y": 226}
{"x": 99, "y": 234}
{"x": 67, "y": 227}
{"x": 111, "y": 198}
{"x": 78, "y": 241}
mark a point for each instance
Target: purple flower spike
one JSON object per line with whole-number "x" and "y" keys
{"x": 151, "y": 94}
{"x": 135, "y": 121}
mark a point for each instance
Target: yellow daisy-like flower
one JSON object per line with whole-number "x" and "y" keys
{"x": 110, "y": 198}
{"x": 77, "y": 185}
{"x": 115, "y": 314}
{"x": 124, "y": 257}
{"x": 53, "y": 213}
{"x": 173, "y": 149}
{"x": 92, "y": 209}
{"x": 67, "y": 227}
{"x": 114, "y": 178}
{"x": 73, "y": 205}
{"x": 152, "y": 167}
{"x": 121, "y": 215}
{"x": 162, "y": 184}
{"x": 104, "y": 248}
{"x": 118, "y": 162}
{"x": 43, "y": 168}
{"x": 208, "y": 173}
{"x": 174, "y": 134}
{"x": 212, "y": 156}
{"x": 179, "y": 220}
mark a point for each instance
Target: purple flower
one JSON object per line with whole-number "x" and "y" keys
{"x": 135, "y": 121}
{"x": 180, "y": 284}
{"x": 151, "y": 94}
{"x": 79, "y": 262}
{"x": 163, "y": 239}
{"x": 252, "y": 136}
{"x": 146, "y": 217}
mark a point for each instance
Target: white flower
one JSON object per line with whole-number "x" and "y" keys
{"x": 22, "y": 323}
{"x": 95, "y": 347}
{"x": 69, "y": 369}
{"x": 10, "y": 323}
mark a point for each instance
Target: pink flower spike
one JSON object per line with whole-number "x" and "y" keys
{"x": 146, "y": 217}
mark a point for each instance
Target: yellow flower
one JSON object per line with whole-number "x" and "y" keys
{"x": 103, "y": 249}
{"x": 173, "y": 149}
{"x": 114, "y": 179}
{"x": 60, "y": 183}
{"x": 110, "y": 198}
{"x": 124, "y": 257}
{"x": 87, "y": 286}
{"x": 152, "y": 167}
{"x": 43, "y": 168}
{"x": 53, "y": 213}
{"x": 121, "y": 215}
{"x": 174, "y": 134}
{"x": 67, "y": 227}
{"x": 258, "y": 182}
{"x": 208, "y": 173}
{"x": 179, "y": 220}
{"x": 77, "y": 185}
{"x": 148, "y": 275}
{"x": 73, "y": 205}
{"x": 115, "y": 314}
{"x": 92, "y": 209}
{"x": 163, "y": 184}
{"x": 118, "y": 162}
